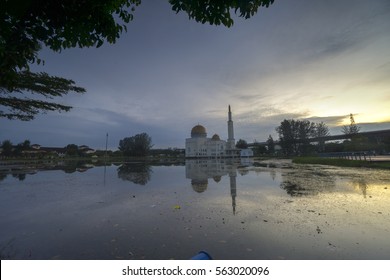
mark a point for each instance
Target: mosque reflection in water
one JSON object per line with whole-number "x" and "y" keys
{"x": 200, "y": 171}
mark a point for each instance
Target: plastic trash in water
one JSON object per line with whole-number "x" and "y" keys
{"x": 202, "y": 255}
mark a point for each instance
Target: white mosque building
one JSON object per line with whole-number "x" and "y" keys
{"x": 199, "y": 146}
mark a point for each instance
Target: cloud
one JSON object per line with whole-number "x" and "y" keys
{"x": 331, "y": 121}
{"x": 297, "y": 59}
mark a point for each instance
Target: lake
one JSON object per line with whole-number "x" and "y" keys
{"x": 233, "y": 210}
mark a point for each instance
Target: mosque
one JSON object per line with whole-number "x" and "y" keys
{"x": 199, "y": 146}
{"x": 201, "y": 170}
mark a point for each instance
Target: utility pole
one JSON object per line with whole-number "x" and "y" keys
{"x": 106, "y": 144}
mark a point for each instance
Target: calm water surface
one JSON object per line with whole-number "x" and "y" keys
{"x": 271, "y": 210}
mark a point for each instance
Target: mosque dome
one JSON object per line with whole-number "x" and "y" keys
{"x": 217, "y": 179}
{"x": 199, "y": 185}
{"x": 198, "y": 131}
{"x": 215, "y": 137}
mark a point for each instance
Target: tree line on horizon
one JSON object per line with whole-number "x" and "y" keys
{"x": 23, "y": 149}
{"x": 295, "y": 139}
{"x": 139, "y": 145}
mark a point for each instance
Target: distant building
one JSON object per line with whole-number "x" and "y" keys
{"x": 199, "y": 146}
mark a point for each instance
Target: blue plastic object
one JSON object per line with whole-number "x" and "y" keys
{"x": 202, "y": 255}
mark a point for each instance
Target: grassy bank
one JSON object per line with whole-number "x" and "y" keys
{"x": 341, "y": 162}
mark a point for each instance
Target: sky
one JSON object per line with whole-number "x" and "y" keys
{"x": 302, "y": 59}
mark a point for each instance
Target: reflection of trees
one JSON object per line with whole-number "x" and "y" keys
{"x": 3, "y": 176}
{"x": 20, "y": 176}
{"x": 70, "y": 166}
{"x": 7, "y": 250}
{"x": 362, "y": 185}
{"x": 75, "y": 165}
{"x": 273, "y": 174}
{"x": 138, "y": 173}
{"x": 307, "y": 182}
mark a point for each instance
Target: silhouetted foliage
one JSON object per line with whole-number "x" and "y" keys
{"x": 352, "y": 128}
{"x": 218, "y": 12}
{"x": 270, "y": 144}
{"x": 259, "y": 150}
{"x": 137, "y": 145}
{"x": 19, "y": 176}
{"x": 27, "y": 25}
{"x": 321, "y": 130}
{"x": 72, "y": 150}
{"x": 28, "y": 85}
{"x": 294, "y": 136}
{"x": 139, "y": 174}
{"x": 3, "y": 176}
{"x": 241, "y": 144}
{"x": 7, "y": 148}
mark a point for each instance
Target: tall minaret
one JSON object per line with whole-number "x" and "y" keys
{"x": 233, "y": 189}
{"x": 230, "y": 141}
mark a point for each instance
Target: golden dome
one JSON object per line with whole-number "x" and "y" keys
{"x": 198, "y": 131}
{"x": 199, "y": 185}
{"x": 217, "y": 179}
{"x": 215, "y": 137}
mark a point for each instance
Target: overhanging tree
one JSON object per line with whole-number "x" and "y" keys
{"x": 218, "y": 12}
{"x": 20, "y": 102}
{"x": 27, "y": 25}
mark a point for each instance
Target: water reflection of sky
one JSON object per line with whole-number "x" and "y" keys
{"x": 234, "y": 210}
